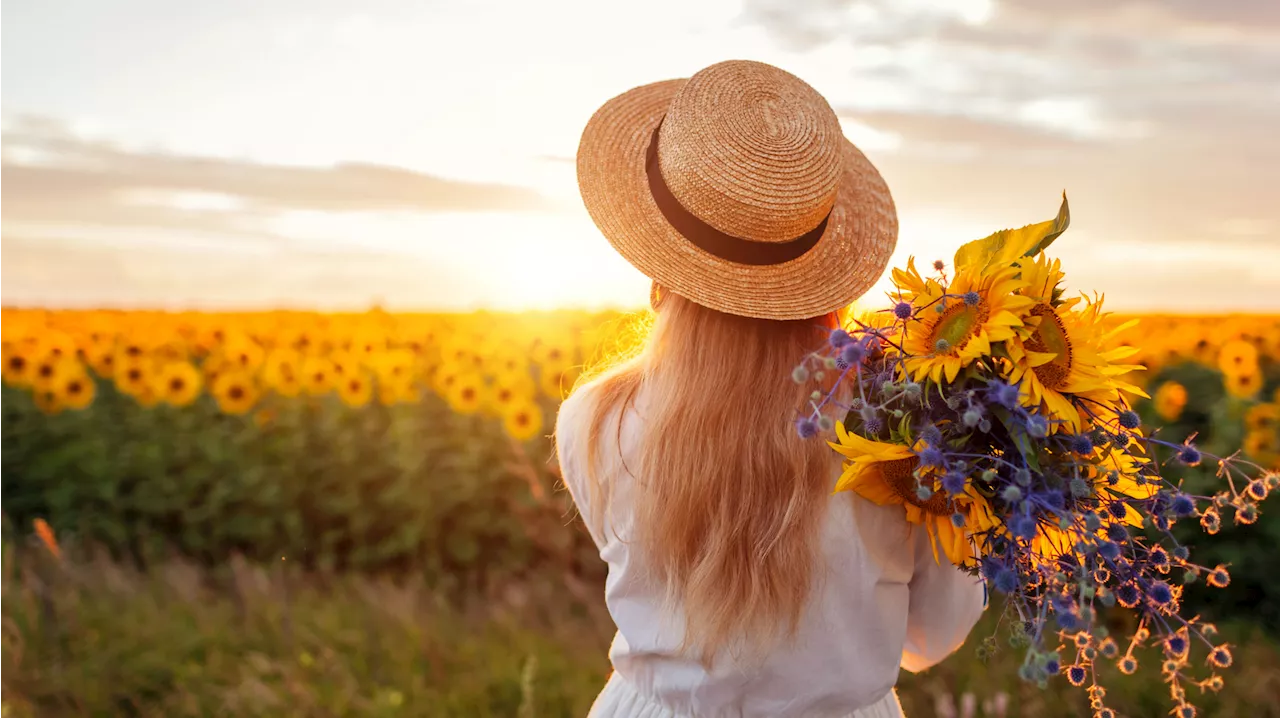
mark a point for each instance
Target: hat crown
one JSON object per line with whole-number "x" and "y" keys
{"x": 752, "y": 150}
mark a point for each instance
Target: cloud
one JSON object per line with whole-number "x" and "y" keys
{"x": 51, "y": 175}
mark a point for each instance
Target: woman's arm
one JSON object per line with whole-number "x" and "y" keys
{"x": 945, "y": 603}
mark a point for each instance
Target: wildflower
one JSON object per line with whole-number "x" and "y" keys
{"x": 806, "y": 428}
{"x": 1076, "y": 675}
{"x": 235, "y": 392}
{"x": 1218, "y": 577}
{"x": 1127, "y": 665}
{"x": 1127, "y": 594}
{"x": 938, "y": 265}
{"x": 1220, "y": 656}
{"x": 972, "y": 298}
{"x": 1037, "y": 426}
{"x": 1082, "y": 444}
{"x": 800, "y": 375}
{"x": 1006, "y": 395}
{"x": 1129, "y": 419}
{"x": 838, "y": 338}
{"x": 902, "y": 310}
{"x": 1246, "y": 514}
{"x": 1210, "y": 521}
{"x": 932, "y": 456}
{"x": 1257, "y": 490}
{"x": 1024, "y": 527}
{"x": 1108, "y": 647}
{"x": 1175, "y": 645}
{"x": 852, "y": 353}
{"x": 1006, "y": 581}
{"x": 1186, "y": 710}
{"x": 1189, "y": 455}
{"x": 1183, "y": 505}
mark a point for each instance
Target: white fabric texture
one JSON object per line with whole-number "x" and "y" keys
{"x": 880, "y": 602}
{"x": 620, "y": 699}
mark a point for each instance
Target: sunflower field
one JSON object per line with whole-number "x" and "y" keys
{"x": 379, "y": 445}
{"x": 371, "y": 441}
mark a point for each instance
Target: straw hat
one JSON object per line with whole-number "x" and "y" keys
{"x": 736, "y": 189}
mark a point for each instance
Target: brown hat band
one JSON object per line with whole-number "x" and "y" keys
{"x": 712, "y": 240}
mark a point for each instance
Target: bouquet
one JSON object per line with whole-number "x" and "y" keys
{"x": 995, "y": 409}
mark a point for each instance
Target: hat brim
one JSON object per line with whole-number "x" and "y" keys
{"x": 852, "y": 253}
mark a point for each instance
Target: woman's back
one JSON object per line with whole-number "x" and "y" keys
{"x": 878, "y": 598}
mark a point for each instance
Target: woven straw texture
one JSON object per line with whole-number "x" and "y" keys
{"x": 756, "y": 153}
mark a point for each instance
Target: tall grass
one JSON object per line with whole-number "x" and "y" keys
{"x": 86, "y": 636}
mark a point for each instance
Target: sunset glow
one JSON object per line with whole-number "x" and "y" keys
{"x": 307, "y": 154}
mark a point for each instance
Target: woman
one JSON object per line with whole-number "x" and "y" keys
{"x": 740, "y": 585}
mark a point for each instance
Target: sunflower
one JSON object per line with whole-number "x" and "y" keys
{"x": 242, "y": 353}
{"x": 1238, "y": 357}
{"x": 1067, "y": 357}
{"x": 1170, "y": 399}
{"x": 956, "y": 325}
{"x": 236, "y": 393}
{"x": 354, "y": 388}
{"x": 508, "y": 390}
{"x": 1263, "y": 417}
{"x": 318, "y": 375}
{"x": 133, "y": 378}
{"x": 74, "y": 389}
{"x": 177, "y": 383}
{"x": 885, "y": 474}
{"x": 522, "y": 420}
{"x": 394, "y": 366}
{"x": 282, "y": 372}
{"x": 1244, "y": 385}
{"x": 466, "y": 393}
{"x": 18, "y": 366}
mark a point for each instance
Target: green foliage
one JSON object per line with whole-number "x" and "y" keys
{"x": 376, "y": 488}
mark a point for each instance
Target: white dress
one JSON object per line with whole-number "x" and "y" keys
{"x": 881, "y": 602}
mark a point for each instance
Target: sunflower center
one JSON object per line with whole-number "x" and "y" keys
{"x": 898, "y": 474}
{"x": 17, "y": 363}
{"x": 1051, "y": 338}
{"x": 176, "y": 384}
{"x": 236, "y": 393}
{"x": 957, "y": 326}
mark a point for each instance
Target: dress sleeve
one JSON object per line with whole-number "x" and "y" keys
{"x": 945, "y": 603}
{"x": 571, "y": 434}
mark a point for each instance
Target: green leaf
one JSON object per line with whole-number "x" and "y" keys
{"x": 1007, "y": 245}
{"x": 1020, "y": 438}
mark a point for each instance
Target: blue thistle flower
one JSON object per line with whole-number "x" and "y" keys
{"x": 1182, "y": 553}
{"x": 1080, "y": 488}
{"x": 1006, "y": 581}
{"x": 1257, "y": 490}
{"x": 1011, "y": 494}
{"x": 1053, "y": 666}
{"x": 1127, "y": 594}
{"x": 1006, "y": 395}
{"x": 1160, "y": 592}
{"x": 873, "y": 426}
{"x": 1024, "y": 527}
{"x": 1082, "y": 444}
{"x": 838, "y": 338}
{"x": 806, "y": 428}
{"x": 1189, "y": 455}
{"x": 1183, "y": 505}
{"x": 902, "y": 310}
{"x": 1022, "y": 477}
{"x": 932, "y": 456}
{"x": 931, "y": 435}
{"x": 1076, "y": 675}
{"x": 924, "y": 493}
{"x": 1130, "y": 420}
{"x": 1117, "y": 533}
{"x": 1117, "y": 509}
{"x": 971, "y": 417}
{"x": 1220, "y": 657}
{"x": 1092, "y": 522}
{"x": 942, "y": 346}
{"x": 972, "y": 298}
{"x": 852, "y": 353}
{"x": 953, "y": 482}
{"x": 957, "y": 520}
{"x": 939, "y": 265}
{"x": 1109, "y": 550}
{"x": 1175, "y": 646}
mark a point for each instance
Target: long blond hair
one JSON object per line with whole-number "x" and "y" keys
{"x": 729, "y": 500}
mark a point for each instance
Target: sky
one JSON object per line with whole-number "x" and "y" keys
{"x": 419, "y": 154}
